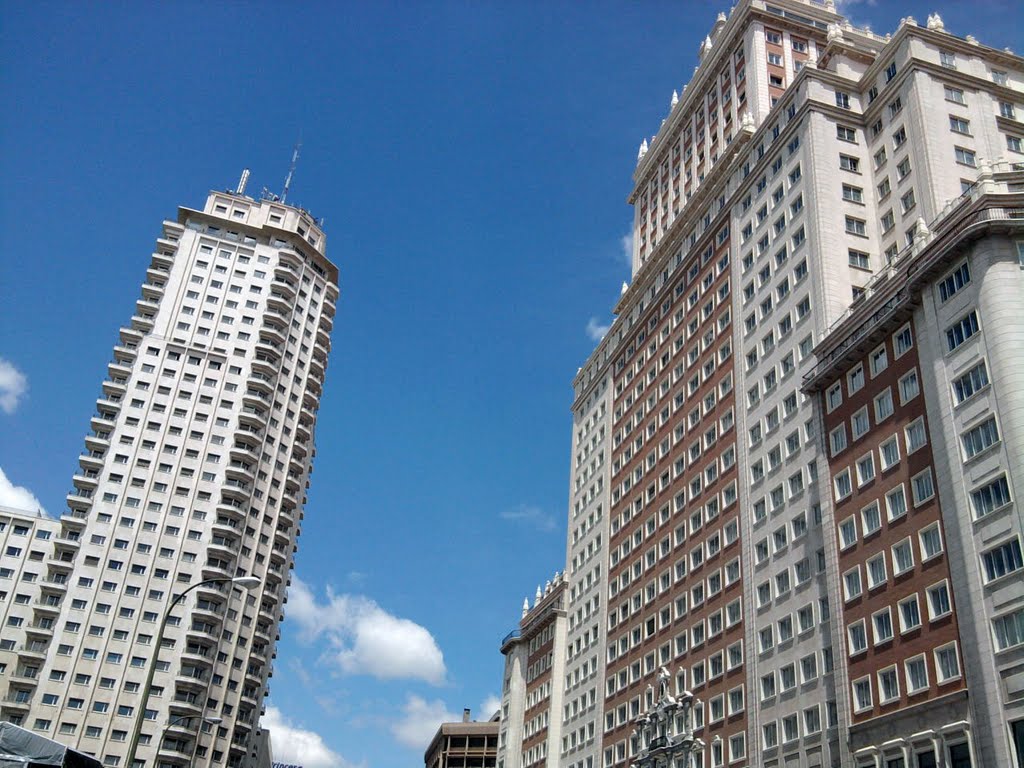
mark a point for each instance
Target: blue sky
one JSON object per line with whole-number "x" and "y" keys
{"x": 472, "y": 161}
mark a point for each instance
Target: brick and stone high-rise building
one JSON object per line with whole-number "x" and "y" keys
{"x": 195, "y": 468}
{"x": 801, "y": 560}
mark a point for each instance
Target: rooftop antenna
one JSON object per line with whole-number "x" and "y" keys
{"x": 291, "y": 172}
{"x": 240, "y": 189}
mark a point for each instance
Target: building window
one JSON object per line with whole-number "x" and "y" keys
{"x": 862, "y": 695}
{"x": 955, "y": 95}
{"x": 979, "y": 438}
{"x": 909, "y": 387}
{"x": 990, "y": 497}
{"x": 1008, "y": 630}
{"x": 922, "y": 486}
{"x": 896, "y": 503}
{"x": 849, "y": 163}
{"x": 931, "y": 542}
{"x": 1002, "y": 560}
{"x": 959, "y": 125}
{"x": 856, "y": 226}
{"x": 947, "y": 663}
{"x": 965, "y": 157}
{"x": 916, "y": 435}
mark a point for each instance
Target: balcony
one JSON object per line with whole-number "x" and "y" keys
{"x": 103, "y": 421}
{"x": 317, "y": 367}
{"x": 232, "y": 509}
{"x": 278, "y": 301}
{"x": 285, "y": 287}
{"x": 153, "y": 288}
{"x": 254, "y": 416}
{"x": 124, "y": 356}
{"x": 161, "y": 259}
{"x": 273, "y": 334}
{"x": 223, "y": 547}
{"x": 326, "y": 323}
{"x": 75, "y": 519}
{"x": 130, "y": 336}
{"x": 213, "y": 569}
{"x": 286, "y": 271}
{"x": 46, "y": 607}
{"x": 61, "y": 563}
{"x": 283, "y": 319}
{"x": 239, "y": 492}
{"x": 268, "y": 352}
{"x": 88, "y": 479}
{"x": 16, "y": 702}
{"x": 239, "y": 470}
{"x": 143, "y": 323}
{"x": 115, "y": 387}
{"x": 79, "y": 499}
{"x": 119, "y": 370}
{"x": 260, "y": 382}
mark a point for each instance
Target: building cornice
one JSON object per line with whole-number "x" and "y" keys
{"x": 893, "y": 293}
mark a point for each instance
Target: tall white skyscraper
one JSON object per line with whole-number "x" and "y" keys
{"x": 195, "y": 470}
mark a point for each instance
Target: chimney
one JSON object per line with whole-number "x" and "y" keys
{"x": 465, "y": 715}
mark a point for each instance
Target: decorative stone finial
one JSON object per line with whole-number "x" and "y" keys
{"x": 625, "y": 287}
{"x": 921, "y": 228}
{"x": 675, "y": 97}
{"x": 971, "y": 39}
{"x": 835, "y": 32}
{"x": 722, "y": 17}
{"x": 935, "y": 22}
{"x": 537, "y": 596}
{"x": 526, "y": 606}
{"x": 830, "y": 5}
{"x": 643, "y": 151}
{"x": 747, "y": 121}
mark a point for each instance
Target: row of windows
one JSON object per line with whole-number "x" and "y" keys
{"x": 947, "y": 669}
{"x": 879, "y": 628}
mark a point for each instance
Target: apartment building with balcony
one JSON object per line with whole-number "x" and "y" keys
{"x": 195, "y": 469}
{"x": 802, "y": 160}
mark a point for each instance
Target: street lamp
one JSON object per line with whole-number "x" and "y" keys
{"x": 245, "y": 582}
{"x": 664, "y": 733}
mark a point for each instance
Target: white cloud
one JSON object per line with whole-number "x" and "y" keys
{"x": 18, "y": 496}
{"x": 13, "y": 385}
{"x": 488, "y": 707}
{"x": 626, "y": 244}
{"x": 363, "y": 638}
{"x": 596, "y": 330}
{"x": 292, "y": 744}
{"x": 529, "y": 515}
{"x": 420, "y": 720}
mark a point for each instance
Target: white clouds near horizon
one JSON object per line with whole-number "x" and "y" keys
{"x": 293, "y": 744}
{"x": 363, "y": 638}
{"x": 13, "y": 385}
{"x": 18, "y": 496}
{"x": 419, "y": 721}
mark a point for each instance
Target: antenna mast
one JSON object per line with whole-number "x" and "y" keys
{"x": 291, "y": 172}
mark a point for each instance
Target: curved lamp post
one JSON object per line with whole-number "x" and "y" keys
{"x": 245, "y": 582}
{"x": 662, "y": 740}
